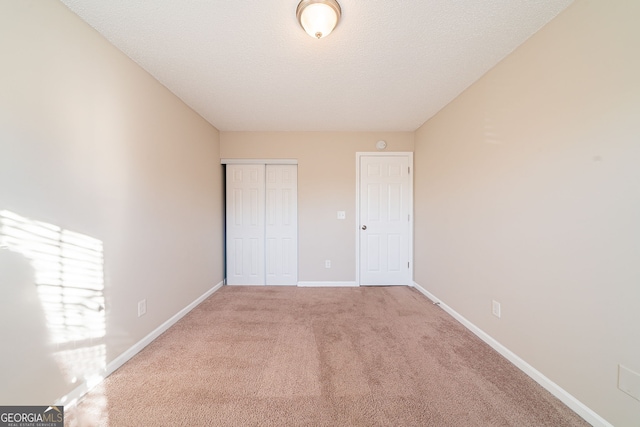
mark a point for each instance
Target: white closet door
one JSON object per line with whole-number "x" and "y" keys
{"x": 281, "y": 225}
{"x": 245, "y": 224}
{"x": 262, "y": 224}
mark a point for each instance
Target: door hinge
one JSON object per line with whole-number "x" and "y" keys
{"x": 407, "y": 264}
{"x": 409, "y": 170}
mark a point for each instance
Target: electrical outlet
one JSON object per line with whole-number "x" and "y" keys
{"x": 142, "y": 307}
{"x": 629, "y": 381}
{"x": 327, "y": 263}
{"x": 495, "y": 308}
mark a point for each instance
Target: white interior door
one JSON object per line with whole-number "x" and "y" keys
{"x": 281, "y": 225}
{"x": 245, "y": 224}
{"x": 385, "y": 222}
{"x": 262, "y": 224}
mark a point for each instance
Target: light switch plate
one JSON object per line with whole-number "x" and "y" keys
{"x": 342, "y": 214}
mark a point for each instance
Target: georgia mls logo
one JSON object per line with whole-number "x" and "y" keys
{"x": 31, "y": 416}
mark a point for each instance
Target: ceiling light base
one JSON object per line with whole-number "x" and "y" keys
{"x": 318, "y": 17}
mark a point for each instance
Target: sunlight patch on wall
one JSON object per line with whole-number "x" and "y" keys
{"x": 68, "y": 274}
{"x": 68, "y": 269}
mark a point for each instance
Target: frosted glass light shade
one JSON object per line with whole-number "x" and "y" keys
{"x": 318, "y": 17}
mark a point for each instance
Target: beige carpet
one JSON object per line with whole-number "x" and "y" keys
{"x": 265, "y": 356}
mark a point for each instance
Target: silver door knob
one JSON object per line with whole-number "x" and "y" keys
{"x": 364, "y": 227}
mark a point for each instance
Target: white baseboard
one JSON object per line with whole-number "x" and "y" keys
{"x": 74, "y": 396}
{"x": 578, "y": 407}
{"x": 327, "y": 284}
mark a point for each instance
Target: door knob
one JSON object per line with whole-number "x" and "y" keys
{"x": 364, "y": 227}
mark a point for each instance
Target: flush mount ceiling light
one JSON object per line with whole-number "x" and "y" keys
{"x": 318, "y": 17}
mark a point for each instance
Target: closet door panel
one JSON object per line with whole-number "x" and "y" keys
{"x": 281, "y": 224}
{"x": 245, "y": 225}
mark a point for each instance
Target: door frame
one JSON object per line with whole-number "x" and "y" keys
{"x": 409, "y": 156}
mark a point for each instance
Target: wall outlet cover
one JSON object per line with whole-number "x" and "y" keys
{"x": 142, "y": 307}
{"x": 495, "y": 308}
{"x": 629, "y": 381}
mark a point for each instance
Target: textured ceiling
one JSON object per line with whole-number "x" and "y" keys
{"x": 248, "y": 66}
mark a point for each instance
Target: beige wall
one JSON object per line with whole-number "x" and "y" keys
{"x": 326, "y": 184}
{"x": 93, "y": 144}
{"x": 527, "y": 192}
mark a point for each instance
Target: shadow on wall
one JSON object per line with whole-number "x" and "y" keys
{"x": 52, "y": 310}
